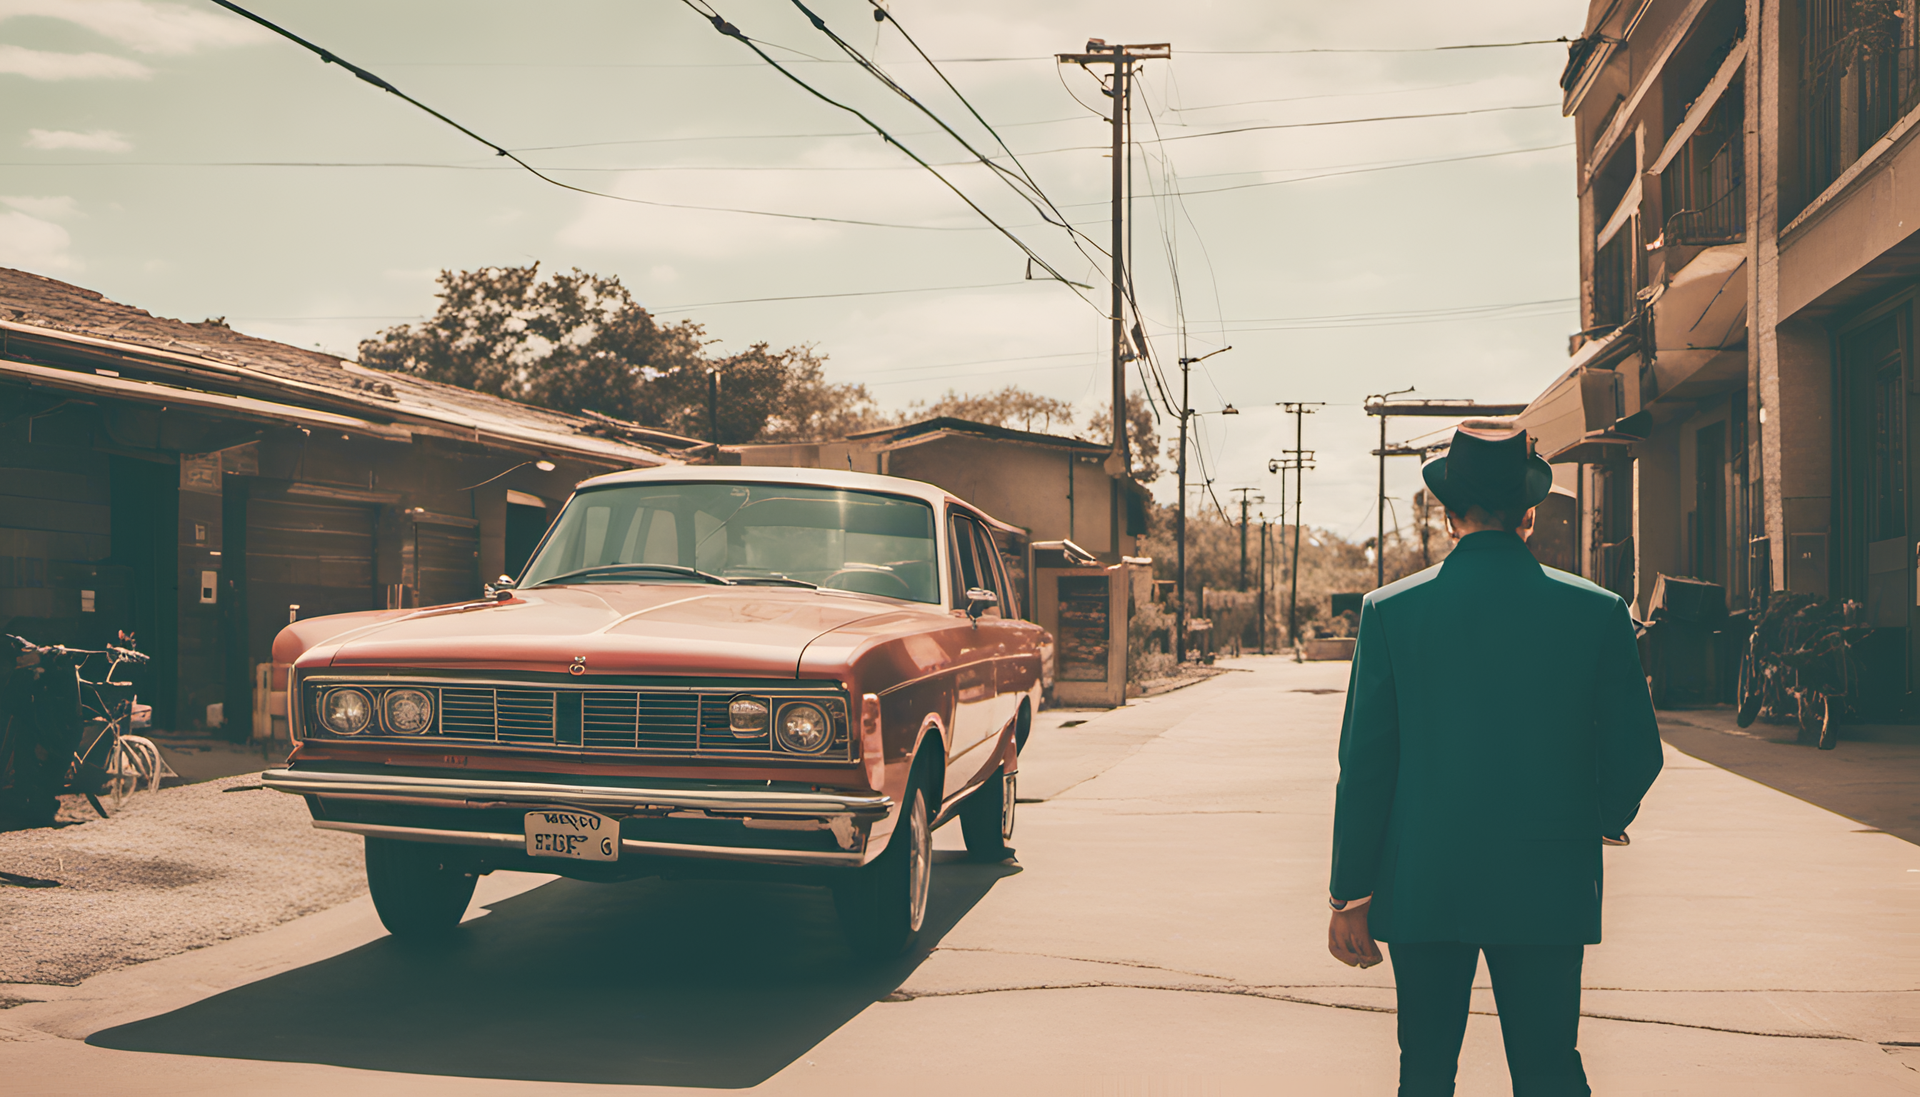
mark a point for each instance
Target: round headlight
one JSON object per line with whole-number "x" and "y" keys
{"x": 346, "y": 711}
{"x": 747, "y": 717}
{"x": 409, "y": 711}
{"x": 805, "y": 729}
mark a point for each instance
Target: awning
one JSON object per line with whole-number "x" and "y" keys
{"x": 1581, "y": 402}
{"x": 1599, "y": 446}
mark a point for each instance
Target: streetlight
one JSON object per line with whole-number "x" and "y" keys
{"x": 1180, "y": 513}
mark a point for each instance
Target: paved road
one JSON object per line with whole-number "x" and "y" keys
{"x": 1165, "y": 933}
{"x": 1874, "y": 781}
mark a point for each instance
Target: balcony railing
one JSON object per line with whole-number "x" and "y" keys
{"x": 1721, "y": 221}
{"x": 1704, "y": 188}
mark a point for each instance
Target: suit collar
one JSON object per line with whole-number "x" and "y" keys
{"x": 1491, "y": 540}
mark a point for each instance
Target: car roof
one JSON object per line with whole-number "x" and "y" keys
{"x": 778, "y": 474}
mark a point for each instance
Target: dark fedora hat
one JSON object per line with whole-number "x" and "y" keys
{"x": 1490, "y": 463}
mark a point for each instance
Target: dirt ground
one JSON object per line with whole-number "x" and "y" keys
{"x": 173, "y": 870}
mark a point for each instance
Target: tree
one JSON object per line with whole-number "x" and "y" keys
{"x": 1009, "y": 407}
{"x": 579, "y": 342}
{"x": 1143, "y": 435}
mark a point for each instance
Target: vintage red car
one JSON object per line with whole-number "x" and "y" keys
{"x": 782, "y": 673}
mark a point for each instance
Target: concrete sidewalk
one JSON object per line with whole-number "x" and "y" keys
{"x": 1166, "y": 934}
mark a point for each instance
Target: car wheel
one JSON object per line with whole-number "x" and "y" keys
{"x": 419, "y": 890}
{"x": 883, "y": 905}
{"x": 986, "y": 819}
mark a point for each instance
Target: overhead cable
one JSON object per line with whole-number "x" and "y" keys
{"x": 1363, "y": 171}
{"x": 1561, "y": 41}
{"x": 1316, "y": 125}
{"x": 883, "y": 13}
{"x": 854, "y": 293}
{"x": 726, "y": 28}
{"x": 330, "y": 58}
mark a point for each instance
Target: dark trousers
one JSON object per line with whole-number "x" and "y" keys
{"x": 1537, "y": 991}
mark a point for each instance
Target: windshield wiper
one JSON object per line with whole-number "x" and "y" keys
{"x": 781, "y": 580}
{"x": 610, "y": 569}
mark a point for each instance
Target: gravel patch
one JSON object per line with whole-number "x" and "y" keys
{"x": 173, "y": 870}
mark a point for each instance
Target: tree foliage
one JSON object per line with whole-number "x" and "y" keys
{"x": 1012, "y": 407}
{"x": 1329, "y": 563}
{"x": 576, "y": 341}
{"x": 1143, "y": 435}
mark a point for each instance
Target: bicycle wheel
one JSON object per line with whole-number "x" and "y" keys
{"x": 1751, "y": 694}
{"x": 1829, "y": 727}
{"x": 117, "y": 769}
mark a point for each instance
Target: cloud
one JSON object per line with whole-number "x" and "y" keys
{"x": 32, "y": 244}
{"x": 143, "y": 27}
{"x": 47, "y": 65}
{"x": 53, "y": 209}
{"x": 94, "y": 141}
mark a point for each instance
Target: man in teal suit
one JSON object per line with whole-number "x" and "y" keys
{"x": 1498, "y": 732}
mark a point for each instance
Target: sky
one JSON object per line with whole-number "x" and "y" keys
{"x": 183, "y": 160}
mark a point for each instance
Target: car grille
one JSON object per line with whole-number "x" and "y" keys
{"x": 660, "y": 722}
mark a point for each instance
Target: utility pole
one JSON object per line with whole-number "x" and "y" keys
{"x": 1302, "y": 458}
{"x": 1180, "y": 515}
{"x": 1263, "y": 584}
{"x": 1121, "y": 57}
{"x": 1244, "y": 492}
{"x": 713, "y": 409}
{"x": 1379, "y": 405}
{"x": 1380, "y": 497}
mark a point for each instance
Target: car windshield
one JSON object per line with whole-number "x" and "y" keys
{"x": 746, "y": 533}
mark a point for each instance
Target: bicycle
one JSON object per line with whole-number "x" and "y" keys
{"x": 91, "y": 719}
{"x": 1799, "y": 662}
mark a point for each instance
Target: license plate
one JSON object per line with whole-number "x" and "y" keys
{"x": 576, "y": 835}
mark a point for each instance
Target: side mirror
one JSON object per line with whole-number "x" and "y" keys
{"x": 500, "y": 589}
{"x": 979, "y": 602}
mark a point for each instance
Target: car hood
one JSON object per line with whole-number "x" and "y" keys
{"x": 618, "y": 628}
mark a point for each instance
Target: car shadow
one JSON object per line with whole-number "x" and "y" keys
{"x": 717, "y": 984}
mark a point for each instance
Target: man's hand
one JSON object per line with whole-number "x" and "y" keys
{"x": 1349, "y": 940}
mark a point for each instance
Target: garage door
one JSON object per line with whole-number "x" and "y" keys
{"x": 318, "y": 556}
{"x": 449, "y": 563}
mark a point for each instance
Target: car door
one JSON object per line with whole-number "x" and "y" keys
{"x": 1017, "y": 656}
{"x": 976, "y": 648}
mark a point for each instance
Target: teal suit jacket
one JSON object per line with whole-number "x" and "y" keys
{"x": 1498, "y": 724}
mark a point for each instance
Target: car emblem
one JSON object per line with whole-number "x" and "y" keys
{"x": 579, "y": 666}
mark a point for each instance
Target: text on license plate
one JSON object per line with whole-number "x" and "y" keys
{"x": 580, "y": 835}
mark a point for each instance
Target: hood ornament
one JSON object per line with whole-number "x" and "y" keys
{"x": 579, "y": 666}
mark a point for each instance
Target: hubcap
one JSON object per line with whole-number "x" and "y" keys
{"x": 919, "y": 863}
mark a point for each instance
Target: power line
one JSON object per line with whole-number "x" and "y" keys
{"x": 720, "y": 24}
{"x": 1561, "y": 41}
{"x": 882, "y": 13}
{"x": 1317, "y": 125}
{"x": 851, "y": 293}
{"x": 328, "y": 57}
{"x": 1362, "y": 171}
{"x": 1321, "y": 95}
{"x": 948, "y": 60}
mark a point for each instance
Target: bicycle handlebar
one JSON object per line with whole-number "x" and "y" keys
{"x": 23, "y": 644}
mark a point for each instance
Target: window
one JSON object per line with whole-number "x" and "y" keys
{"x": 975, "y": 562}
{"x": 749, "y": 533}
{"x": 1613, "y": 279}
{"x": 1887, "y": 458}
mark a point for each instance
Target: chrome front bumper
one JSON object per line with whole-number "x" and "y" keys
{"x": 848, "y": 817}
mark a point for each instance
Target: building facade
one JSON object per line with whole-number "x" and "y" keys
{"x": 200, "y": 488}
{"x": 1737, "y": 404}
